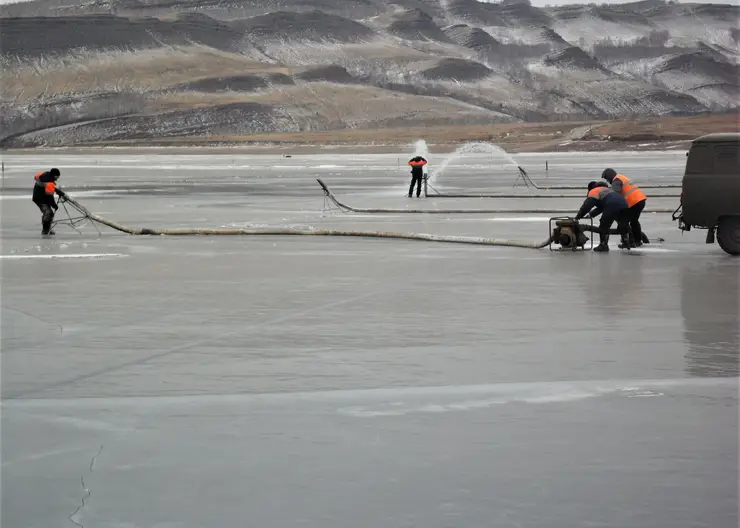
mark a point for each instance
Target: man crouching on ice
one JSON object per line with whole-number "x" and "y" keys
{"x": 613, "y": 206}
{"x": 44, "y": 188}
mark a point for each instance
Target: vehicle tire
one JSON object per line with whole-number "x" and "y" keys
{"x": 728, "y": 234}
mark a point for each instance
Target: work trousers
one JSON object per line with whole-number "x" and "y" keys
{"x": 633, "y": 216}
{"x": 416, "y": 179}
{"x": 47, "y": 217}
{"x": 609, "y": 216}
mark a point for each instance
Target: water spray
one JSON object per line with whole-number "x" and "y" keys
{"x": 471, "y": 148}
{"x": 528, "y": 182}
{"x": 490, "y": 148}
{"x": 421, "y": 149}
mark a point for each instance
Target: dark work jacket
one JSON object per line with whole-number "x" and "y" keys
{"x": 44, "y": 188}
{"x": 601, "y": 199}
{"x": 417, "y": 166}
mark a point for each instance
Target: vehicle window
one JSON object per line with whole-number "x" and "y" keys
{"x": 700, "y": 159}
{"x": 726, "y": 158}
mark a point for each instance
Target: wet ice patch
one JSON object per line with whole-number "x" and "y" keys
{"x": 519, "y": 219}
{"x": 635, "y": 392}
{"x": 389, "y": 401}
{"x": 503, "y": 219}
{"x": 204, "y": 167}
{"x": 79, "y": 194}
{"x": 62, "y": 256}
{"x": 403, "y": 408}
{"x": 654, "y": 250}
{"x": 533, "y": 394}
{"x": 367, "y": 215}
{"x": 45, "y": 454}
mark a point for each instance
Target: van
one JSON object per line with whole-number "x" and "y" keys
{"x": 710, "y": 190}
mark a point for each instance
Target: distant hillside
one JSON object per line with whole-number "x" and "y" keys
{"x": 113, "y": 69}
{"x": 309, "y": 25}
{"x": 416, "y": 24}
{"x": 44, "y": 36}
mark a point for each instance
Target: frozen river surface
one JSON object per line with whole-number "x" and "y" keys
{"x": 334, "y": 383}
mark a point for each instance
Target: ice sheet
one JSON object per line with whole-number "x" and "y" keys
{"x": 308, "y": 382}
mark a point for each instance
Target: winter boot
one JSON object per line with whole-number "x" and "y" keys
{"x": 603, "y": 243}
{"x": 46, "y": 228}
{"x": 627, "y": 242}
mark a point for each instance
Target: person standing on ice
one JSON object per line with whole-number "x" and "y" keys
{"x": 636, "y": 200}
{"x": 602, "y": 199}
{"x": 44, "y": 188}
{"x": 418, "y": 173}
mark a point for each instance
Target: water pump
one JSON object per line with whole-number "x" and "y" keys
{"x": 568, "y": 233}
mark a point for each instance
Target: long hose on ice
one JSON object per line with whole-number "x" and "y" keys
{"x": 345, "y": 207}
{"x": 292, "y": 231}
{"x": 439, "y": 194}
{"x": 528, "y": 181}
{"x": 573, "y": 187}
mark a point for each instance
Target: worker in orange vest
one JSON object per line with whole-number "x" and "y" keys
{"x": 44, "y": 188}
{"x": 636, "y": 200}
{"x": 417, "y": 164}
{"x": 601, "y": 199}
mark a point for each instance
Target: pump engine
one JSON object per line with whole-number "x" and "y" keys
{"x": 567, "y": 233}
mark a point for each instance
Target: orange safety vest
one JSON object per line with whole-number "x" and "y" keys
{"x": 598, "y": 192}
{"x": 417, "y": 163}
{"x": 630, "y": 191}
{"x": 49, "y": 187}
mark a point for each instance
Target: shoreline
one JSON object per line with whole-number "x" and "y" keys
{"x": 296, "y": 148}
{"x": 637, "y": 135}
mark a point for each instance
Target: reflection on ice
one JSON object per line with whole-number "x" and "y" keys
{"x": 710, "y": 307}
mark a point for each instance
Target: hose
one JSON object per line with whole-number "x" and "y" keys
{"x": 573, "y": 187}
{"x": 346, "y": 207}
{"x": 466, "y": 195}
{"x": 612, "y": 231}
{"x": 528, "y": 181}
{"x": 291, "y": 231}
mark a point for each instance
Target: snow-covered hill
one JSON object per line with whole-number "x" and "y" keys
{"x": 511, "y": 61}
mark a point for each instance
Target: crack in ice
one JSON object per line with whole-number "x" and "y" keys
{"x": 84, "y": 489}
